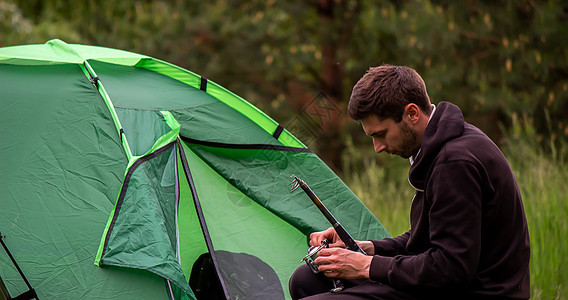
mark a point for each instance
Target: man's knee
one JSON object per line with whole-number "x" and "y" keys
{"x": 305, "y": 283}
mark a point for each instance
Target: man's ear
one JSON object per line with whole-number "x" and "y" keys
{"x": 412, "y": 113}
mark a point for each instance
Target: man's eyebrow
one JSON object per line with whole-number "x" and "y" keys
{"x": 378, "y": 132}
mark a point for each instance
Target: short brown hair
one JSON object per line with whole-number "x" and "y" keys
{"x": 384, "y": 91}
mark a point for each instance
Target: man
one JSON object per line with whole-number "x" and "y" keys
{"x": 468, "y": 237}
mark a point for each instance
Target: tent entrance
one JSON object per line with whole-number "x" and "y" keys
{"x": 204, "y": 280}
{"x": 207, "y": 267}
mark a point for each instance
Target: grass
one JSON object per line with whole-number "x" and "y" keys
{"x": 381, "y": 183}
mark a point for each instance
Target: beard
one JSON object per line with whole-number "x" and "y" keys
{"x": 409, "y": 143}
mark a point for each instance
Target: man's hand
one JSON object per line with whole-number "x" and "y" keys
{"x": 343, "y": 263}
{"x": 336, "y": 242}
{"x": 330, "y": 235}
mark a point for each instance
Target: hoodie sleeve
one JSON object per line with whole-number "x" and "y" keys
{"x": 454, "y": 193}
{"x": 391, "y": 246}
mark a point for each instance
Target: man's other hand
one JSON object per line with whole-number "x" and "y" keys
{"x": 343, "y": 263}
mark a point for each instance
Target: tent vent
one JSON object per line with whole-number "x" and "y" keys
{"x": 203, "y": 85}
{"x": 278, "y": 131}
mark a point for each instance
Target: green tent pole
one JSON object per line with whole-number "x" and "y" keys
{"x": 90, "y": 73}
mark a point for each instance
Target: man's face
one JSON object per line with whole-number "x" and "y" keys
{"x": 390, "y": 137}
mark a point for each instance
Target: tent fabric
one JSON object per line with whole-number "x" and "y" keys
{"x": 61, "y": 166}
{"x": 144, "y": 168}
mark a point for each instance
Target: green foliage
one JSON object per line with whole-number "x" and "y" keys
{"x": 542, "y": 177}
{"x": 14, "y": 26}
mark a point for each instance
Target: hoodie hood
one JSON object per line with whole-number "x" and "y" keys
{"x": 446, "y": 124}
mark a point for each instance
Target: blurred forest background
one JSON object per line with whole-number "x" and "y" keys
{"x": 495, "y": 59}
{"x": 505, "y": 63}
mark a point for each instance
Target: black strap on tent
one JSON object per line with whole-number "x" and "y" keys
{"x": 121, "y": 134}
{"x": 93, "y": 79}
{"x": 201, "y": 218}
{"x": 30, "y": 294}
{"x": 245, "y": 146}
{"x": 203, "y": 85}
{"x": 278, "y": 131}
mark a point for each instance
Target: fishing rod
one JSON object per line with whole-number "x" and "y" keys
{"x": 341, "y": 232}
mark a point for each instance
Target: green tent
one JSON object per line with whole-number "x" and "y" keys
{"x": 124, "y": 176}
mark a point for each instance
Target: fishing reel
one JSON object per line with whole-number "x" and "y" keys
{"x": 309, "y": 260}
{"x": 313, "y": 254}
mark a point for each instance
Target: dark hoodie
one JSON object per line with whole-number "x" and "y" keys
{"x": 469, "y": 235}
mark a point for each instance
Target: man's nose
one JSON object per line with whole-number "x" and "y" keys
{"x": 379, "y": 147}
